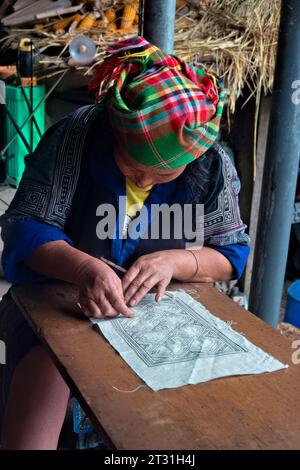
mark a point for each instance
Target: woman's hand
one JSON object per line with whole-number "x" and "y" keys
{"x": 100, "y": 290}
{"x": 148, "y": 271}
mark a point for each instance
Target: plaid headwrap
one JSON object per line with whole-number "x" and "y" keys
{"x": 164, "y": 112}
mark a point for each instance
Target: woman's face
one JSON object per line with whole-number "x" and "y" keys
{"x": 143, "y": 176}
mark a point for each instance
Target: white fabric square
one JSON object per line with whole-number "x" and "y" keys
{"x": 178, "y": 341}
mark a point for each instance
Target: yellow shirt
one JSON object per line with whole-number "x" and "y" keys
{"x": 135, "y": 198}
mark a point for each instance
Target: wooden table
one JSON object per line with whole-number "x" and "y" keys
{"x": 246, "y": 412}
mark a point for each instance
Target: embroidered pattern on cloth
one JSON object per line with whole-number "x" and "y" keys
{"x": 174, "y": 337}
{"x": 178, "y": 341}
{"x": 224, "y": 225}
{"x": 50, "y": 199}
{"x": 68, "y": 162}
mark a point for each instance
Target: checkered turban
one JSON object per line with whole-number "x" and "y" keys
{"x": 164, "y": 112}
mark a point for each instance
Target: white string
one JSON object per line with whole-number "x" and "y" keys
{"x": 129, "y": 391}
{"x": 230, "y": 323}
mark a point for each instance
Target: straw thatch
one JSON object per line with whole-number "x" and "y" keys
{"x": 236, "y": 39}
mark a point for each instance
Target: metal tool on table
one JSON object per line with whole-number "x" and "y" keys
{"x": 113, "y": 265}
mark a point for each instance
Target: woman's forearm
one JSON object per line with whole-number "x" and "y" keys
{"x": 59, "y": 260}
{"x": 212, "y": 265}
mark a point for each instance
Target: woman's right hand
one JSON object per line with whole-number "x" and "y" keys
{"x": 100, "y": 290}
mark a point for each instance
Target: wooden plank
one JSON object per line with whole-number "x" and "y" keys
{"x": 241, "y": 140}
{"x": 38, "y": 9}
{"x": 263, "y": 127}
{"x": 246, "y": 412}
{"x": 5, "y": 5}
{"x": 19, "y": 4}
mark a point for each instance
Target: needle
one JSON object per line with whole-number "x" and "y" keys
{"x": 113, "y": 265}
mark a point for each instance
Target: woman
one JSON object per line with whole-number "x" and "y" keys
{"x": 151, "y": 139}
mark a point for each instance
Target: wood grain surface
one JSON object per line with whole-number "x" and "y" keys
{"x": 245, "y": 412}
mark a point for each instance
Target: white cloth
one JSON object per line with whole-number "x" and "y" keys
{"x": 178, "y": 341}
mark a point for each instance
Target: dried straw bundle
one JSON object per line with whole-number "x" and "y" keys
{"x": 236, "y": 39}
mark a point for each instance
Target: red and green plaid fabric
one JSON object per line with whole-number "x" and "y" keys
{"x": 164, "y": 112}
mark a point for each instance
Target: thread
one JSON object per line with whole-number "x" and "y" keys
{"x": 128, "y": 391}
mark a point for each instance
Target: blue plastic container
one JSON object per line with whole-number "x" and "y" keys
{"x": 292, "y": 310}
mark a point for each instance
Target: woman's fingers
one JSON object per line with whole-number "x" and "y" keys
{"x": 106, "y": 308}
{"x": 102, "y": 295}
{"x": 131, "y": 274}
{"x": 136, "y": 284}
{"x": 146, "y": 286}
{"x": 119, "y": 305}
{"x": 161, "y": 289}
{"x": 142, "y": 289}
{"x": 89, "y": 308}
{"x": 108, "y": 304}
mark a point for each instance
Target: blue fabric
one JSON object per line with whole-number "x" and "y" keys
{"x": 23, "y": 236}
{"x": 20, "y": 239}
{"x": 237, "y": 254}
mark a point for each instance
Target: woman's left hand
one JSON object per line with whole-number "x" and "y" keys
{"x": 155, "y": 269}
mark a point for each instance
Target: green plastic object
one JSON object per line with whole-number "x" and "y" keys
{"x": 19, "y": 110}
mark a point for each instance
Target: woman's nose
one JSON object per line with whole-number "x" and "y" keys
{"x": 143, "y": 182}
